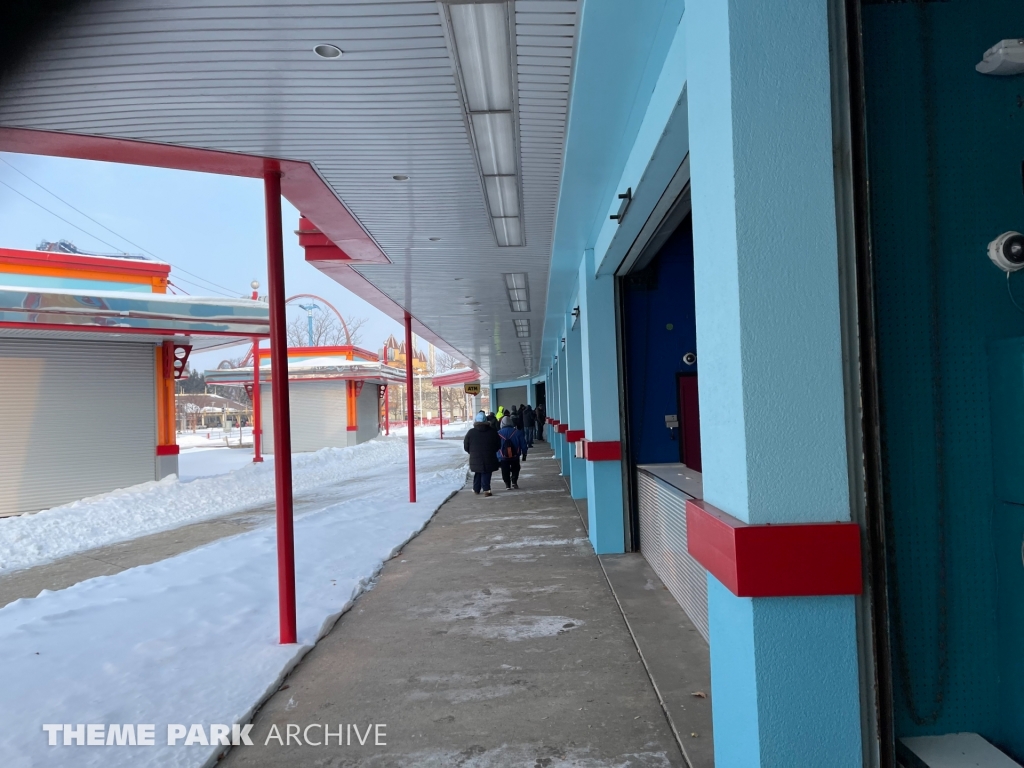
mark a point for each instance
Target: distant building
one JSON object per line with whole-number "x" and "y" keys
{"x": 394, "y": 355}
{"x": 90, "y": 348}
{"x": 335, "y": 395}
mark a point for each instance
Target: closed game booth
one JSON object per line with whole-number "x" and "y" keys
{"x": 90, "y": 349}
{"x": 336, "y": 395}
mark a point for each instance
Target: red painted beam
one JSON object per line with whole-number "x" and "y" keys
{"x": 282, "y": 409}
{"x": 167, "y": 450}
{"x": 299, "y": 181}
{"x": 574, "y": 435}
{"x": 560, "y": 427}
{"x": 784, "y": 560}
{"x": 602, "y": 450}
{"x": 411, "y": 406}
{"x": 300, "y": 184}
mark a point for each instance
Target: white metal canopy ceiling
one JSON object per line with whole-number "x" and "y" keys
{"x": 241, "y": 76}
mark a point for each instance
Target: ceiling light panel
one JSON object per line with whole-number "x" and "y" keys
{"x": 481, "y": 37}
{"x": 495, "y": 142}
{"x": 509, "y": 231}
{"x": 503, "y": 195}
{"x": 522, "y": 328}
{"x": 518, "y": 288}
{"x": 515, "y": 280}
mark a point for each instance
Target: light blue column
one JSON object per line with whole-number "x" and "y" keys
{"x": 605, "y": 506}
{"x": 574, "y": 376}
{"x": 551, "y": 392}
{"x": 563, "y": 406}
{"x": 554, "y": 411}
{"x": 784, "y": 670}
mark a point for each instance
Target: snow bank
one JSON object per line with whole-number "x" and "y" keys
{"x": 193, "y": 639}
{"x": 29, "y": 540}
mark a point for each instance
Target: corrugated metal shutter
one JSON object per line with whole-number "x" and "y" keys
{"x": 663, "y": 544}
{"x": 78, "y": 419}
{"x": 368, "y": 413}
{"x": 319, "y": 411}
{"x": 509, "y": 396}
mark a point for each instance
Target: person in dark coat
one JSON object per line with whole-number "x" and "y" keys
{"x": 513, "y": 448}
{"x": 540, "y": 413}
{"x": 482, "y": 444}
{"x": 514, "y": 415}
{"x": 529, "y": 424}
{"x": 492, "y": 420}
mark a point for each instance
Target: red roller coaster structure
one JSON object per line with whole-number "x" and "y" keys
{"x": 348, "y": 336}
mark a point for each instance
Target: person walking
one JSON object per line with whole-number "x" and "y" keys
{"x": 540, "y": 413}
{"x": 513, "y": 448}
{"x": 492, "y": 420}
{"x": 529, "y": 424}
{"x": 482, "y": 444}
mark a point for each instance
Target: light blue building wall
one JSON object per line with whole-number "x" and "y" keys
{"x": 651, "y": 87}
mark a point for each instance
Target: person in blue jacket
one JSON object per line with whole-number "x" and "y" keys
{"x": 513, "y": 449}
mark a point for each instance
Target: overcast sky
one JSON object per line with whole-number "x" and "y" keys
{"x": 207, "y": 224}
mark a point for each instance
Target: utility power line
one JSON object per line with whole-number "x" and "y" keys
{"x": 229, "y": 293}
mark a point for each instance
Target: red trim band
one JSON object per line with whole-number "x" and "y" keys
{"x": 352, "y": 429}
{"x": 574, "y": 435}
{"x": 560, "y": 427}
{"x": 84, "y": 262}
{"x": 602, "y": 450}
{"x": 167, "y": 450}
{"x": 783, "y": 560}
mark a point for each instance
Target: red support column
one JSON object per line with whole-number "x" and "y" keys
{"x": 387, "y": 410}
{"x": 282, "y": 411}
{"x": 257, "y": 424}
{"x": 440, "y": 412}
{"x": 411, "y": 407}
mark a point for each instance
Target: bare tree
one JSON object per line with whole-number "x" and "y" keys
{"x": 327, "y": 331}
{"x": 443, "y": 362}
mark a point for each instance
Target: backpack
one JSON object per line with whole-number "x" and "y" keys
{"x": 509, "y": 449}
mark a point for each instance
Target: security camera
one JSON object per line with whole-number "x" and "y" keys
{"x": 1007, "y": 251}
{"x": 690, "y": 358}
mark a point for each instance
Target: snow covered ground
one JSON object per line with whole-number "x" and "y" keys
{"x": 29, "y": 540}
{"x": 213, "y": 437}
{"x": 204, "y": 462}
{"x": 193, "y": 639}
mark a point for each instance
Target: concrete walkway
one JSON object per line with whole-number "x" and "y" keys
{"x": 492, "y": 640}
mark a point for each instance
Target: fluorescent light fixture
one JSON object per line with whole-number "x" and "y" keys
{"x": 480, "y": 37}
{"x": 496, "y": 142}
{"x": 522, "y": 328}
{"x": 518, "y": 289}
{"x": 526, "y": 347}
{"x": 509, "y": 231}
{"x": 503, "y": 195}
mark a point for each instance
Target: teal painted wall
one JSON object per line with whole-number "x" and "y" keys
{"x": 945, "y": 146}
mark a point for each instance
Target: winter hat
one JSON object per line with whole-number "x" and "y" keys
{"x": 506, "y": 422}
{"x": 479, "y": 417}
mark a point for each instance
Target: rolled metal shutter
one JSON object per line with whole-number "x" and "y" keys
{"x": 79, "y": 419}
{"x": 368, "y": 413}
{"x": 319, "y": 415}
{"x": 663, "y": 545}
